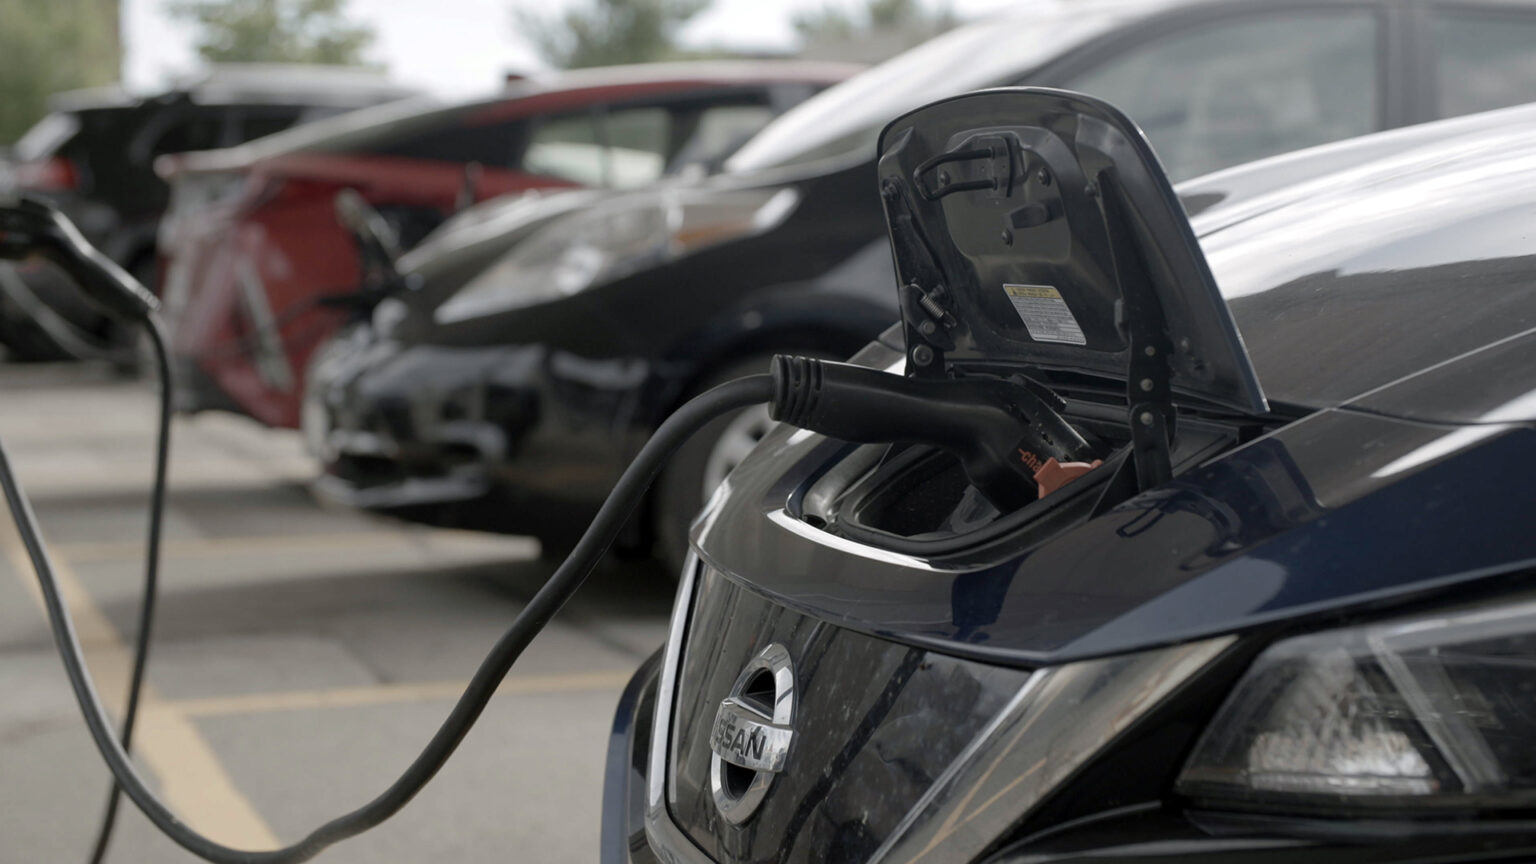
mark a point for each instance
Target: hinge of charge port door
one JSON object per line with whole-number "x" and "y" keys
{"x": 1140, "y": 318}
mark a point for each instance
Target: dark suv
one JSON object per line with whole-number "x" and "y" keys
{"x": 93, "y": 156}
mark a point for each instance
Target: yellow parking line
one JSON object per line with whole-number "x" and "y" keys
{"x": 430, "y": 691}
{"x": 192, "y": 780}
{"x": 221, "y": 547}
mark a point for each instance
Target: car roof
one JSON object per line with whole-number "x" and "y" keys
{"x": 91, "y": 99}
{"x": 989, "y": 52}
{"x": 251, "y": 84}
{"x": 742, "y": 71}
{"x": 343, "y": 129}
{"x": 983, "y": 53}
{"x": 1352, "y": 265}
{"x": 291, "y": 83}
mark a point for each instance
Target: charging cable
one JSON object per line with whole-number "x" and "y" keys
{"x": 151, "y": 590}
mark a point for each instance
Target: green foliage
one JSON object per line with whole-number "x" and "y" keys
{"x": 608, "y": 32}
{"x": 275, "y": 31}
{"x": 837, "y": 24}
{"x": 50, "y": 46}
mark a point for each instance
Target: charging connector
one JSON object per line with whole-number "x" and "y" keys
{"x": 1010, "y": 441}
{"x": 29, "y": 227}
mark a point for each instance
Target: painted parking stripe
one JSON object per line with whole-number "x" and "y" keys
{"x": 384, "y": 694}
{"x": 192, "y": 780}
{"x": 221, "y": 547}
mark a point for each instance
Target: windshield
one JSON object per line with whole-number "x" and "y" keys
{"x": 847, "y": 118}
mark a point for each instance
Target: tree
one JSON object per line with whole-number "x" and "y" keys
{"x": 608, "y": 32}
{"x": 910, "y": 17}
{"x": 48, "y": 47}
{"x": 276, "y": 31}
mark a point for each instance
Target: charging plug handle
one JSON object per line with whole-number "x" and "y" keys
{"x": 1001, "y": 430}
{"x": 29, "y": 227}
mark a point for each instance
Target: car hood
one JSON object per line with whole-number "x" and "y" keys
{"x": 473, "y": 241}
{"x": 1351, "y": 266}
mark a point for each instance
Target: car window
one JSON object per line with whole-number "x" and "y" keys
{"x": 566, "y": 148}
{"x": 450, "y": 139}
{"x": 623, "y": 148}
{"x": 719, "y": 131}
{"x": 1229, "y": 92}
{"x": 198, "y": 131}
{"x": 637, "y": 140}
{"x": 261, "y": 122}
{"x": 1483, "y": 60}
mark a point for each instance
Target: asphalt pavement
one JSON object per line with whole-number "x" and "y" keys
{"x": 302, "y": 656}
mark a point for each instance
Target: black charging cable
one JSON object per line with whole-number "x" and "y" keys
{"x": 151, "y": 589}
{"x": 30, "y": 228}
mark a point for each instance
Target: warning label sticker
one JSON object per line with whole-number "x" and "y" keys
{"x": 1045, "y": 314}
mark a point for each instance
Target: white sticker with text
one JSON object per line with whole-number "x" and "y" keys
{"x": 1045, "y": 314}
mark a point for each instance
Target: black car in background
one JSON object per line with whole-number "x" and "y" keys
{"x": 1289, "y": 615}
{"x": 93, "y": 157}
{"x": 509, "y": 396}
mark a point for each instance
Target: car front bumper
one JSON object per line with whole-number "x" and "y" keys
{"x": 1151, "y": 832}
{"x": 514, "y": 439}
{"x": 1078, "y": 767}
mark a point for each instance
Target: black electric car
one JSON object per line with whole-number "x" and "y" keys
{"x": 93, "y": 157}
{"x": 1279, "y": 605}
{"x": 509, "y": 396}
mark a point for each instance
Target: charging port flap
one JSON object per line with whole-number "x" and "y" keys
{"x": 1036, "y": 227}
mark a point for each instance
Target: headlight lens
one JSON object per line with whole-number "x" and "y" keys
{"x": 1430, "y": 712}
{"x": 612, "y": 240}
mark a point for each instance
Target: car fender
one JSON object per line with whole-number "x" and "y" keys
{"x": 802, "y": 316}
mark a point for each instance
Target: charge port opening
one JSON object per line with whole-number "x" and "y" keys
{"x": 919, "y": 496}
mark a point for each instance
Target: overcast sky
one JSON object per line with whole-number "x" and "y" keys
{"x": 465, "y": 46}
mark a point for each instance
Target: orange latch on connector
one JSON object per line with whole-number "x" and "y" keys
{"x": 1053, "y": 475}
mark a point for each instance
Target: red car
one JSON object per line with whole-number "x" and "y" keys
{"x": 254, "y": 252}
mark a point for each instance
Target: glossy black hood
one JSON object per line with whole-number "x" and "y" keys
{"x": 1035, "y": 226}
{"x": 1357, "y": 264}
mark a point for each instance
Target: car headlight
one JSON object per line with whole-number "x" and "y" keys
{"x": 611, "y": 240}
{"x": 1433, "y": 712}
